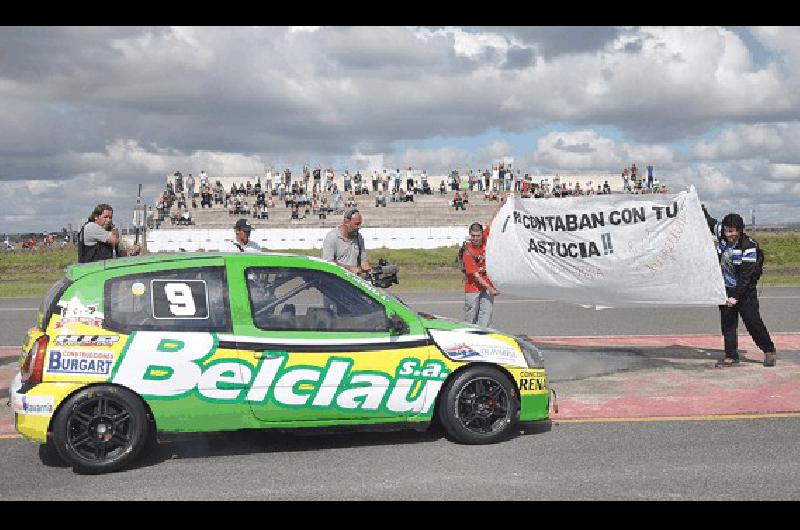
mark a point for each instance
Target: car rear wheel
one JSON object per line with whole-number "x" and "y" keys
{"x": 479, "y": 406}
{"x": 101, "y": 429}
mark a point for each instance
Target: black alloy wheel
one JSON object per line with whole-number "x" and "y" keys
{"x": 482, "y": 405}
{"x": 479, "y": 406}
{"x": 101, "y": 429}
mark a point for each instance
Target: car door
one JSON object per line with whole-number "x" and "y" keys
{"x": 171, "y": 356}
{"x": 322, "y": 347}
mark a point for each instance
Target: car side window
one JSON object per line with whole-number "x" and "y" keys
{"x": 310, "y": 300}
{"x": 193, "y": 299}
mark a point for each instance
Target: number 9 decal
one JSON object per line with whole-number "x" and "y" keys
{"x": 181, "y": 299}
{"x": 181, "y": 303}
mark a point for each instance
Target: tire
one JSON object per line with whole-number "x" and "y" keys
{"x": 479, "y": 406}
{"x": 101, "y": 429}
{"x": 49, "y": 456}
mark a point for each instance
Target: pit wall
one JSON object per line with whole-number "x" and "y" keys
{"x": 217, "y": 239}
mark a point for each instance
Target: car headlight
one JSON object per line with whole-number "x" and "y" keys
{"x": 533, "y": 356}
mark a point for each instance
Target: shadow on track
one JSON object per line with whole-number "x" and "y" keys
{"x": 275, "y": 442}
{"x": 269, "y": 442}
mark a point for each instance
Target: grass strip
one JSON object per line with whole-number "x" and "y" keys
{"x": 31, "y": 273}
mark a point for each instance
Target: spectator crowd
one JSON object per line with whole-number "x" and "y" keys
{"x": 317, "y": 192}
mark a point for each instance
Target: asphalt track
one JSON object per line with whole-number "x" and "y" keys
{"x": 581, "y": 345}
{"x": 780, "y": 307}
{"x": 643, "y": 414}
{"x": 752, "y": 459}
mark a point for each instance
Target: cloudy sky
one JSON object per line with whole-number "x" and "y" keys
{"x": 89, "y": 113}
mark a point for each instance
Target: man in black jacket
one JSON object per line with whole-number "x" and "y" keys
{"x": 741, "y": 267}
{"x": 99, "y": 240}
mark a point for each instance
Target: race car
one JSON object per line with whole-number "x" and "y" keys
{"x": 129, "y": 350}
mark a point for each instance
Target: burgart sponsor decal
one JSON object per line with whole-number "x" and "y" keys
{"x": 80, "y": 362}
{"x": 173, "y": 367}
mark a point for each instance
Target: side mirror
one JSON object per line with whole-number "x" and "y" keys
{"x": 397, "y": 325}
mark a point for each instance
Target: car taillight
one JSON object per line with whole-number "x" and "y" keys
{"x": 33, "y": 368}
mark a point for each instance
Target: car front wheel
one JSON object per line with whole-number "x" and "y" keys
{"x": 101, "y": 429}
{"x": 479, "y": 406}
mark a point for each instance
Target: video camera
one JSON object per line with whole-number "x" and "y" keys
{"x": 382, "y": 275}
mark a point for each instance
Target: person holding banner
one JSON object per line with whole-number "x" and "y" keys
{"x": 741, "y": 267}
{"x": 479, "y": 291}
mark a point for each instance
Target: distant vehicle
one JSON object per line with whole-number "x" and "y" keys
{"x": 134, "y": 348}
{"x": 31, "y": 243}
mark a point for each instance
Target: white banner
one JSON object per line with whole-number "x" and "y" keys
{"x": 606, "y": 251}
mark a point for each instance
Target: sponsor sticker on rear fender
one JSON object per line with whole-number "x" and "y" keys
{"x": 33, "y": 405}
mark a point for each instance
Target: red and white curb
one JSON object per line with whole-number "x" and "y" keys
{"x": 782, "y": 341}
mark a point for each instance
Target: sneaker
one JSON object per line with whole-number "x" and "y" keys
{"x": 770, "y": 358}
{"x": 727, "y": 361}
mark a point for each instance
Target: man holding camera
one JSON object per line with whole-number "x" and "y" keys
{"x": 344, "y": 245}
{"x": 99, "y": 239}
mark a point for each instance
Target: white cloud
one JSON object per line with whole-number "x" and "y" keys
{"x": 497, "y": 150}
{"x": 303, "y": 29}
{"x": 229, "y": 100}
{"x": 182, "y": 47}
{"x": 433, "y": 160}
{"x": 785, "y": 171}
{"x": 738, "y": 187}
{"x": 470, "y": 44}
{"x": 41, "y": 186}
{"x": 781, "y": 39}
{"x": 368, "y": 162}
{"x": 777, "y": 140}
{"x": 586, "y": 151}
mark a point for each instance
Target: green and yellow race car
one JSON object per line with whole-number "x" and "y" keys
{"x": 130, "y": 349}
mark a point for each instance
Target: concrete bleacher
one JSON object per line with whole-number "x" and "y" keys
{"x": 429, "y": 221}
{"x": 425, "y": 211}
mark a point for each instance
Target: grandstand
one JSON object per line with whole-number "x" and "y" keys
{"x": 428, "y": 220}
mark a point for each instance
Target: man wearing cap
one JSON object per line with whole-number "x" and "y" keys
{"x": 241, "y": 240}
{"x": 344, "y": 245}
